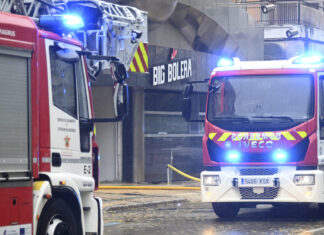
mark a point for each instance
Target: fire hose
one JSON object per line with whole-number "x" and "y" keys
{"x": 150, "y": 187}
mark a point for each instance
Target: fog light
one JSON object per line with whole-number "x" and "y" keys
{"x": 211, "y": 180}
{"x": 304, "y": 179}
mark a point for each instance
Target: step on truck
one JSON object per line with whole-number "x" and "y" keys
{"x": 264, "y": 133}
{"x": 49, "y": 52}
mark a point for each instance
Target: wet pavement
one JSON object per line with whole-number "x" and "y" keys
{"x": 138, "y": 212}
{"x": 199, "y": 218}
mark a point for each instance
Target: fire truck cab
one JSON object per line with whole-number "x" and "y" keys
{"x": 48, "y": 156}
{"x": 264, "y": 133}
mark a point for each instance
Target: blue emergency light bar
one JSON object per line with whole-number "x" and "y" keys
{"x": 61, "y": 22}
{"x": 223, "y": 62}
{"x": 73, "y": 21}
{"x": 313, "y": 59}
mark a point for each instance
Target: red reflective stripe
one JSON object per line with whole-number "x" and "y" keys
{"x": 142, "y": 59}
{"x": 136, "y": 65}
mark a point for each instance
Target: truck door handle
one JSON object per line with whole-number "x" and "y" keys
{"x": 56, "y": 159}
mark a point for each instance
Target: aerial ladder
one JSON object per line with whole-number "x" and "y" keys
{"x": 110, "y": 29}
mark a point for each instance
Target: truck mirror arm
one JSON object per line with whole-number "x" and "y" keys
{"x": 198, "y": 82}
{"x": 196, "y": 120}
{"x": 116, "y": 119}
{"x": 90, "y": 56}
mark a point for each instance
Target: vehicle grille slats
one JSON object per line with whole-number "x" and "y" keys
{"x": 269, "y": 193}
{"x": 258, "y": 171}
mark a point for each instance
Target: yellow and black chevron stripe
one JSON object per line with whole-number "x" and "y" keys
{"x": 258, "y": 136}
{"x": 140, "y": 61}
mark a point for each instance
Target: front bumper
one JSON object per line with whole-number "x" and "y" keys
{"x": 281, "y": 189}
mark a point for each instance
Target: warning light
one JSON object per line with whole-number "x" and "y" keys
{"x": 73, "y": 21}
{"x": 223, "y": 62}
{"x": 233, "y": 156}
{"x": 61, "y": 22}
{"x": 315, "y": 59}
{"x": 280, "y": 155}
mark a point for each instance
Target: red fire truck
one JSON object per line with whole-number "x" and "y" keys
{"x": 264, "y": 133}
{"x": 48, "y": 156}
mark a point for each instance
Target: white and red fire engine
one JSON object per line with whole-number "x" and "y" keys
{"x": 264, "y": 133}
{"x": 48, "y": 156}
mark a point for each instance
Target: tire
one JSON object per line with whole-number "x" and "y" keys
{"x": 226, "y": 210}
{"x": 57, "y": 218}
{"x": 321, "y": 209}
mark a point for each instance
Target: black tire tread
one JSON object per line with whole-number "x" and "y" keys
{"x": 226, "y": 210}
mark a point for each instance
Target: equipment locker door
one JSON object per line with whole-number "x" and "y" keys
{"x": 14, "y": 112}
{"x": 15, "y": 165}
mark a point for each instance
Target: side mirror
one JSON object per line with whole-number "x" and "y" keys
{"x": 187, "y": 91}
{"x": 186, "y": 102}
{"x": 118, "y": 71}
{"x": 186, "y": 108}
{"x": 321, "y": 121}
{"x": 121, "y": 99}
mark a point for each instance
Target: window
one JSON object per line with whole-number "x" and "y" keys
{"x": 63, "y": 84}
{"x": 321, "y": 106}
{"x": 261, "y": 103}
{"x": 163, "y": 113}
{"x": 82, "y": 93}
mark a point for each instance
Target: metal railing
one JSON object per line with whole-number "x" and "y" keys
{"x": 285, "y": 13}
{"x": 288, "y": 13}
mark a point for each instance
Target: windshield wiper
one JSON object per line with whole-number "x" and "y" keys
{"x": 286, "y": 118}
{"x": 232, "y": 119}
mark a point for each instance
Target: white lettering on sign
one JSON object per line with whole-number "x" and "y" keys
{"x": 7, "y": 32}
{"x": 158, "y": 75}
{"x": 171, "y": 72}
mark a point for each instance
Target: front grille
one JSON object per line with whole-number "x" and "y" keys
{"x": 258, "y": 171}
{"x": 296, "y": 153}
{"x": 269, "y": 193}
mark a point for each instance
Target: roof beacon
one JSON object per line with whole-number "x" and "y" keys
{"x": 223, "y": 62}
{"x": 316, "y": 59}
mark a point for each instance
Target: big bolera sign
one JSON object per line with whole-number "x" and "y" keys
{"x": 171, "y": 72}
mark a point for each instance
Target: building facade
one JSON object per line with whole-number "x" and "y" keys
{"x": 184, "y": 44}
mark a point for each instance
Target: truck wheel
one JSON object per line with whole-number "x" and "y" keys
{"x": 57, "y": 218}
{"x": 226, "y": 210}
{"x": 321, "y": 209}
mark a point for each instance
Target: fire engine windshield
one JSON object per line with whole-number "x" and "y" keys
{"x": 260, "y": 103}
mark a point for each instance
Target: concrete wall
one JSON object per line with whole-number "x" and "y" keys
{"x": 235, "y": 21}
{"x": 168, "y": 36}
{"x": 108, "y": 135}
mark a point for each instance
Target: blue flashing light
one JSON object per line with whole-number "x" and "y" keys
{"x": 73, "y": 21}
{"x": 61, "y": 23}
{"x": 314, "y": 59}
{"x": 223, "y": 62}
{"x": 233, "y": 156}
{"x": 280, "y": 156}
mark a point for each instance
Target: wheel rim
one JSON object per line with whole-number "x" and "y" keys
{"x": 57, "y": 226}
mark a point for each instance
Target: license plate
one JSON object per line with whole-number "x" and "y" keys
{"x": 253, "y": 181}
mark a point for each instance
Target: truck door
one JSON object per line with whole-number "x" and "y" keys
{"x": 321, "y": 118}
{"x": 69, "y": 110}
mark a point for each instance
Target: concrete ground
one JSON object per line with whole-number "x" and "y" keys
{"x": 123, "y": 199}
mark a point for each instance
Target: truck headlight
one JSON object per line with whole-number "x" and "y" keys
{"x": 304, "y": 179}
{"x": 211, "y": 180}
